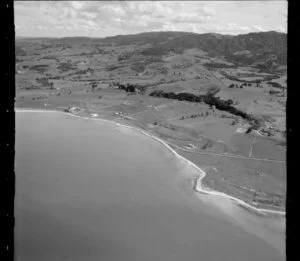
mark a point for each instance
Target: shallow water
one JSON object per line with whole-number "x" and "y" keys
{"x": 91, "y": 190}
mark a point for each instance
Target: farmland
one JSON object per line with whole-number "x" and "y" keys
{"x": 114, "y": 78}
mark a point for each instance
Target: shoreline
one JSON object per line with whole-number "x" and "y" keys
{"x": 198, "y": 186}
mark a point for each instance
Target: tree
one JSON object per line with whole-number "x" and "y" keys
{"x": 229, "y": 102}
{"x": 248, "y": 130}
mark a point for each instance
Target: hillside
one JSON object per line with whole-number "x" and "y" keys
{"x": 247, "y": 49}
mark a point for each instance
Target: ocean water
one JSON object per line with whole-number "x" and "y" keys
{"x": 92, "y": 190}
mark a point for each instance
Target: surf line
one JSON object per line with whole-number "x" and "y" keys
{"x": 198, "y": 186}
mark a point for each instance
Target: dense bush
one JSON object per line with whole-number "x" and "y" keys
{"x": 125, "y": 56}
{"x": 209, "y": 99}
{"x": 41, "y": 68}
{"x": 63, "y": 67}
{"x": 138, "y": 67}
{"x": 273, "y": 92}
{"x": 114, "y": 67}
{"x": 90, "y": 70}
{"x": 131, "y": 88}
{"x": 275, "y": 84}
{"x": 45, "y": 82}
{"x": 218, "y": 65}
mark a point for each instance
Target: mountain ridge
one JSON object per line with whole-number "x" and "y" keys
{"x": 87, "y": 37}
{"x": 251, "y": 48}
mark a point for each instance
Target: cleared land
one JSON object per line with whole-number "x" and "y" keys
{"x": 115, "y": 82}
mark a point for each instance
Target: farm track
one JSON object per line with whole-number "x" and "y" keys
{"x": 129, "y": 117}
{"x": 214, "y": 154}
{"x": 253, "y": 142}
{"x": 225, "y": 155}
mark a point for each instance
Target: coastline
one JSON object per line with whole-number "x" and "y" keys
{"x": 198, "y": 186}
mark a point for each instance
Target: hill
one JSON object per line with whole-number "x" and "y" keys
{"x": 246, "y": 48}
{"x": 251, "y": 48}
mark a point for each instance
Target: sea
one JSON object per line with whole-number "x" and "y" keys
{"x": 88, "y": 189}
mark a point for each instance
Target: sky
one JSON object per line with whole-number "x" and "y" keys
{"x": 109, "y": 18}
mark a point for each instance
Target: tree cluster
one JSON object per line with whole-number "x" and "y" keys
{"x": 125, "y": 56}
{"x": 271, "y": 92}
{"x": 41, "y": 68}
{"x": 93, "y": 85}
{"x": 197, "y": 115}
{"x": 241, "y": 86}
{"x": 84, "y": 71}
{"x": 246, "y": 84}
{"x": 275, "y": 85}
{"x": 131, "y": 88}
{"x": 45, "y": 82}
{"x": 64, "y": 67}
{"x": 209, "y": 99}
{"x": 219, "y": 65}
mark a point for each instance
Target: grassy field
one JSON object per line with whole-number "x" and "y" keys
{"x": 55, "y": 75}
{"x": 253, "y": 181}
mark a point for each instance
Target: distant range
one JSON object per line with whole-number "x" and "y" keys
{"x": 264, "y": 48}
